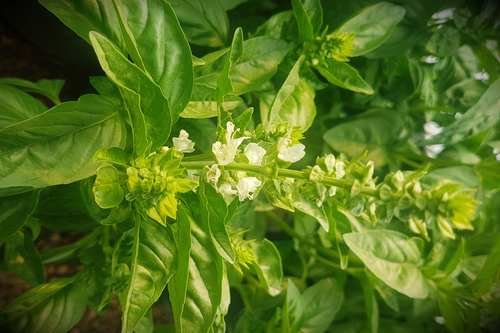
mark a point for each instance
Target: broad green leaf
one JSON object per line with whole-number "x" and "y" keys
{"x": 16, "y": 105}
{"x": 48, "y": 88}
{"x": 217, "y": 214}
{"x": 304, "y": 24}
{"x": 58, "y": 145}
{"x": 373, "y": 26}
{"x": 204, "y": 22}
{"x": 293, "y": 105}
{"x": 151, "y": 117}
{"x": 107, "y": 190}
{"x": 375, "y": 131}
{"x": 151, "y": 267}
{"x": 268, "y": 265}
{"x": 483, "y": 115}
{"x": 15, "y": 211}
{"x": 343, "y": 75}
{"x": 393, "y": 258}
{"x": 314, "y": 11}
{"x": 277, "y": 25}
{"x": 84, "y": 16}
{"x": 444, "y": 42}
{"x": 203, "y": 278}
{"x": 314, "y": 310}
{"x": 54, "y": 307}
{"x": 209, "y": 109}
{"x": 490, "y": 271}
{"x": 21, "y": 257}
{"x": 104, "y": 86}
{"x": 258, "y": 63}
{"x": 159, "y": 48}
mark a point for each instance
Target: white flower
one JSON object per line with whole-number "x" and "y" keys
{"x": 213, "y": 174}
{"x": 339, "y": 169}
{"x": 481, "y": 76}
{"x": 254, "y": 153}
{"x": 332, "y": 190}
{"x": 430, "y": 59}
{"x": 247, "y": 186}
{"x": 330, "y": 163}
{"x": 290, "y": 153}
{"x": 431, "y": 128}
{"x": 227, "y": 191}
{"x": 183, "y": 143}
{"x": 226, "y": 152}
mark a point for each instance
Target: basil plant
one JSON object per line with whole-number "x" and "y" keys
{"x": 261, "y": 166}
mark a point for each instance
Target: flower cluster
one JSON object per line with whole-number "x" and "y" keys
{"x": 231, "y": 183}
{"x": 443, "y": 207}
{"x": 151, "y": 183}
{"x": 337, "y": 46}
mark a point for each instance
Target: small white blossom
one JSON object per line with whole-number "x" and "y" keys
{"x": 434, "y": 150}
{"x": 332, "y": 190}
{"x": 330, "y": 163}
{"x": 227, "y": 191}
{"x": 481, "y": 76}
{"x": 443, "y": 15}
{"x": 431, "y": 129}
{"x": 339, "y": 169}
{"x": 254, "y": 153}
{"x": 213, "y": 174}
{"x": 183, "y": 143}
{"x": 247, "y": 186}
{"x": 226, "y": 152}
{"x": 430, "y": 59}
{"x": 288, "y": 152}
{"x": 440, "y": 320}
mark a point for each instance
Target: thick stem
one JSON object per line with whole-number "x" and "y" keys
{"x": 281, "y": 172}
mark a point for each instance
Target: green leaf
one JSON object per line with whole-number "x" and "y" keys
{"x": 58, "y": 145}
{"x": 444, "y": 42}
{"x": 209, "y": 109}
{"x": 159, "y": 47}
{"x": 315, "y": 13}
{"x": 293, "y": 105}
{"x": 151, "y": 267}
{"x": 224, "y": 84}
{"x": 22, "y": 258}
{"x": 304, "y": 24}
{"x": 83, "y": 16}
{"x": 393, "y": 258}
{"x": 316, "y": 308}
{"x": 107, "y": 190}
{"x": 480, "y": 117}
{"x": 204, "y": 22}
{"x": 16, "y": 105}
{"x": 268, "y": 265}
{"x": 368, "y": 132}
{"x": 150, "y": 116}
{"x": 371, "y": 305}
{"x": 15, "y": 212}
{"x": 54, "y": 307}
{"x": 373, "y": 26}
{"x": 48, "y": 88}
{"x": 258, "y": 63}
{"x": 343, "y": 75}
{"x": 216, "y": 214}
{"x": 202, "y": 277}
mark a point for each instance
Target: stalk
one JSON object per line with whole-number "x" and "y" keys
{"x": 280, "y": 172}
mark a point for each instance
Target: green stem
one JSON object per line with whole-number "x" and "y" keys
{"x": 281, "y": 172}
